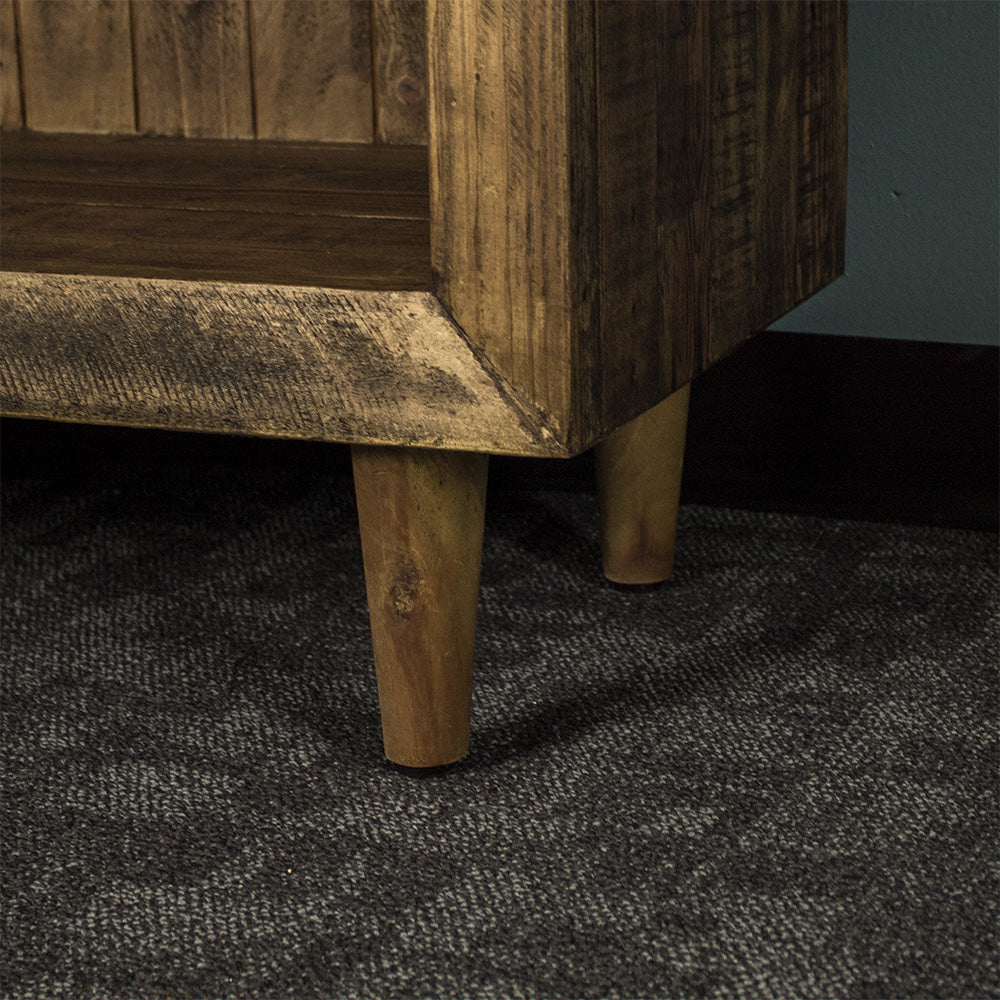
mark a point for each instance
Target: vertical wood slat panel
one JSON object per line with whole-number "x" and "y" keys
{"x": 312, "y": 70}
{"x": 10, "y": 73}
{"x": 76, "y": 65}
{"x": 399, "y": 29}
{"x": 192, "y": 67}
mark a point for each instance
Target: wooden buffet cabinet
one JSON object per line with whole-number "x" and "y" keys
{"x": 433, "y": 231}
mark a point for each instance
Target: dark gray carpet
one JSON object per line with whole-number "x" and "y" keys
{"x": 774, "y": 777}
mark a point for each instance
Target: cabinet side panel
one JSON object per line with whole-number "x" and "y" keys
{"x": 822, "y": 133}
{"x": 400, "y": 45}
{"x": 734, "y": 170}
{"x": 501, "y": 218}
{"x": 627, "y": 70}
{"x": 777, "y": 161}
{"x": 312, "y": 70}
{"x": 192, "y": 64}
{"x": 685, "y": 129}
{"x": 779, "y": 71}
{"x": 624, "y": 192}
{"x": 76, "y": 65}
{"x": 753, "y": 169}
{"x": 11, "y": 116}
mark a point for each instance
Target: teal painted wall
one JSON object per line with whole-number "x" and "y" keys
{"x": 923, "y": 212}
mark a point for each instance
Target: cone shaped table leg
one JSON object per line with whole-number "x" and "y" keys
{"x": 639, "y": 470}
{"x": 421, "y": 517}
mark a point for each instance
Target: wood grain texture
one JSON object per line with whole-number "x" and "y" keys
{"x": 684, "y": 134}
{"x": 773, "y": 181}
{"x": 312, "y": 70}
{"x": 330, "y": 365}
{"x": 639, "y": 468}
{"x": 822, "y": 133}
{"x": 733, "y": 167}
{"x": 621, "y": 193}
{"x": 501, "y": 218}
{"x": 626, "y": 138}
{"x": 421, "y": 516}
{"x": 11, "y": 112}
{"x": 76, "y": 65}
{"x": 282, "y": 167}
{"x": 652, "y": 189}
{"x": 275, "y": 248}
{"x": 192, "y": 68}
{"x": 325, "y": 215}
{"x": 400, "y": 45}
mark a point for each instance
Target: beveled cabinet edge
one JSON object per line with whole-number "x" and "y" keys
{"x": 329, "y": 364}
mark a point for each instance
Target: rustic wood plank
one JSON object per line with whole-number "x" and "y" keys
{"x": 779, "y": 38}
{"x": 421, "y": 515}
{"x": 633, "y": 202}
{"x": 273, "y": 248}
{"x": 734, "y": 166}
{"x": 76, "y": 65}
{"x": 685, "y": 116}
{"x": 822, "y": 120}
{"x": 192, "y": 68}
{"x": 627, "y": 137}
{"x": 312, "y": 70}
{"x": 544, "y": 180}
{"x": 209, "y": 210}
{"x": 334, "y": 202}
{"x": 360, "y": 367}
{"x": 501, "y": 218}
{"x": 281, "y": 167}
{"x": 400, "y": 44}
{"x": 11, "y": 112}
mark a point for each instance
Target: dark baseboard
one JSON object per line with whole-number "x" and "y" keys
{"x": 852, "y": 427}
{"x": 846, "y": 427}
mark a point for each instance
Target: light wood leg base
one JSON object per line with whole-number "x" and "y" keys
{"x": 421, "y": 516}
{"x": 638, "y": 491}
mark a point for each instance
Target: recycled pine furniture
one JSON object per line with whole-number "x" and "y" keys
{"x": 434, "y": 232}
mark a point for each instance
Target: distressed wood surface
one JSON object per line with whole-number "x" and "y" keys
{"x": 11, "y": 113}
{"x": 400, "y": 47}
{"x": 192, "y": 68}
{"x": 821, "y": 185}
{"x": 684, "y": 133}
{"x": 625, "y": 136}
{"x": 282, "y": 167}
{"x": 327, "y": 251}
{"x": 501, "y": 214}
{"x": 331, "y": 216}
{"x": 622, "y": 193}
{"x": 312, "y": 70}
{"x": 331, "y": 365}
{"x": 76, "y": 65}
{"x": 421, "y": 515}
{"x": 756, "y": 221}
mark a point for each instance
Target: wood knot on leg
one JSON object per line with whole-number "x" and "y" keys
{"x": 404, "y": 591}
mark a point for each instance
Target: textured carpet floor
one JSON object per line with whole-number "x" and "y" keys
{"x": 774, "y": 777}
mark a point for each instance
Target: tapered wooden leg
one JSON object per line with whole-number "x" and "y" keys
{"x": 421, "y": 515}
{"x": 638, "y": 491}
